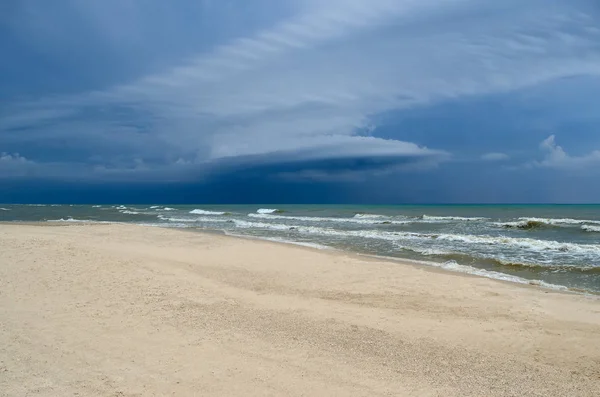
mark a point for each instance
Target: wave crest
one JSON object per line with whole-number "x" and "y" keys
{"x": 546, "y": 267}
{"x": 194, "y": 220}
{"x": 368, "y": 216}
{"x": 589, "y": 228}
{"x": 268, "y": 211}
{"x": 451, "y": 218}
{"x": 204, "y": 212}
{"x": 482, "y": 240}
{"x": 525, "y": 225}
{"x": 561, "y": 221}
{"x": 363, "y": 221}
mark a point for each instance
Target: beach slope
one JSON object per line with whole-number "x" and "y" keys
{"x": 123, "y": 310}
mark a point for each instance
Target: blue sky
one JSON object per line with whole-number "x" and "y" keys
{"x": 382, "y": 101}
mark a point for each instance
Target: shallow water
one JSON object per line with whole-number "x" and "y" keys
{"x": 556, "y": 244}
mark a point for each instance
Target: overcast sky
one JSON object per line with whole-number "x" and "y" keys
{"x": 382, "y": 101}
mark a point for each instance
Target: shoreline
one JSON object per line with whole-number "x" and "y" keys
{"x": 424, "y": 265}
{"x": 463, "y": 270}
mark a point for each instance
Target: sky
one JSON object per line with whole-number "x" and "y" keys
{"x": 300, "y": 101}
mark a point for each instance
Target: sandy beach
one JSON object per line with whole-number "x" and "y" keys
{"x": 123, "y": 310}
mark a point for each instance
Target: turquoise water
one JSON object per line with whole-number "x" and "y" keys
{"x": 557, "y": 245}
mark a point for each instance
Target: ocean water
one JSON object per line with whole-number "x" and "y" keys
{"x": 556, "y": 246}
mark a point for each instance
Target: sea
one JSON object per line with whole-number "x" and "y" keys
{"x": 553, "y": 246}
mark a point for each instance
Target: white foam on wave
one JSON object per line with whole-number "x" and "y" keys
{"x": 451, "y": 218}
{"x": 96, "y": 206}
{"x": 516, "y": 224}
{"x": 453, "y": 266}
{"x": 513, "y": 242}
{"x": 362, "y": 221}
{"x": 193, "y": 220}
{"x": 500, "y": 259}
{"x": 169, "y": 209}
{"x": 203, "y": 212}
{"x": 4, "y": 209}
{"x": 260, "y": 225}
{"x": 267, "y": 210}
{"x": 428, "y": 251}
{"x": 120, "y": 207}
{"x": 69, "y": 220}
{"x": 369, "y": 216}
{"x": 172, "y": 225}
{"x": 72, "y": 220}
{"x": 127, "y": 212}
{"x": 371, "y": 234}
{"x": 589, "y": 228}
{"x": 527, "y": 243}
{"x": 154, "y": 207}
{"x": 561, "y": 221}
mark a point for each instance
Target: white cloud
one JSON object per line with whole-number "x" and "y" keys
{"x": 556, "y": 157}
{"x": 495, "y": 157}
{"x": 15, "y": 165}
{"x": 313, "y": 83}
{"x": 8, "y": 158}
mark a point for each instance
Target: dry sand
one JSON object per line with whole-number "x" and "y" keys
{"x": 121, "y": 310}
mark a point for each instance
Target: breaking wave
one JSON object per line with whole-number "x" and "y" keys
{"x": 482, "y": 240}
{"x": 193, "y": 220}
{"x": 526, "y": 243}
{"x": 451, "y": 218}
{"x": 269, "y": 226}
{"x": 268, "y": 211}
{"x": 524, "y": 225}
{"x": 561, "y": 221}
{"x": 589, "y": 228}
{"x": 204, "y": 212}
{"x": 361, "y": 220}
{"x": 368, "y": 216}
{"x": 551, "y": 267}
